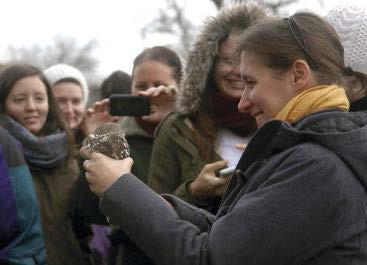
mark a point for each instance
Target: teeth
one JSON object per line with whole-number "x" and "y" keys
{"x": 237, "y": 84}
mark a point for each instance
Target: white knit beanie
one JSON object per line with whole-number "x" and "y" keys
{"x": 58, "y": 72}
{"x": 350, "y": 22}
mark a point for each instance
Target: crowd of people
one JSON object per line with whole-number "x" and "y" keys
{"x": 282, "y": 101}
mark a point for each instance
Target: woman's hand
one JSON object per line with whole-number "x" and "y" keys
{"x": 103, "y": 171}
{"x": 162, "y": 101}
{"x": 241, "y": 146}
{"x": 207, "y": 184}
{"x": 155, "y": 92}
{"x": 97, "y": 115}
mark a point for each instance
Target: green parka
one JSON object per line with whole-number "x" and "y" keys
{"x": 176, "y": 161}
{"x": 175, "y": 158}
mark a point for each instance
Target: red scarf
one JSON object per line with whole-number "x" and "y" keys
{"x": 225, "y": 114}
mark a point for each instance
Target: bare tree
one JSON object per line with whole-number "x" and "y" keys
{"x": 172, "y": 19}
{"x": 274, "y": 6}
{"x": 61, "y": 50}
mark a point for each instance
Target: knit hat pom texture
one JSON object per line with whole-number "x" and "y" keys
{"x": 350, "y": 22}
{"x": 58, "y": 72}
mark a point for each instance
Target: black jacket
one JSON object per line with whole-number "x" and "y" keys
{"x": 298, "y": 197}
{"x": 358, "y": 105}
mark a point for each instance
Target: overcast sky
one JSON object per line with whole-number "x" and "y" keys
{"x": 115, "y": 24}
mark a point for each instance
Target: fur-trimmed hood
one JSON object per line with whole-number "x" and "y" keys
{"x": 200, "y": 58}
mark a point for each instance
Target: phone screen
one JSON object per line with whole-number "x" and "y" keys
{"x": 129, "y": 105}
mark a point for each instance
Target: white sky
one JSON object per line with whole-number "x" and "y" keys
{"x": 115, "y": 24}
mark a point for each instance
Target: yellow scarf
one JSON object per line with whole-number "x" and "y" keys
{"x": 313, "y": 100}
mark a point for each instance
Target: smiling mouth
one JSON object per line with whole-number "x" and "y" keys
{"x": 237, "y": 84}
{"x": 31, "y": 119}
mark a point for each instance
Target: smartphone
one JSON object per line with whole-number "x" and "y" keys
{"x": 129, "y": 105}
{"x": 226, "y": 172}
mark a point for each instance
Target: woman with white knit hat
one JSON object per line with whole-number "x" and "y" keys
{"x": 71, "y": 91}
{"x": 350, "y": 22}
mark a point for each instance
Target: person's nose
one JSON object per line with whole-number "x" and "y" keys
{"x": 31, "y": 105}
{"x": 245, "y": 102}
{"x": 68, "y": 108}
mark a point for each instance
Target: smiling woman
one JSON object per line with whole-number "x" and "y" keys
{"x": 70, "y": 89}
{"x": 299, "y": 189}
{"x": 262, "y": 86}
{"x": 27, "y": 103}
{"x": 30, "y": 114}
{"x": 303, "y": 72}
{"x": 206, "y": 126}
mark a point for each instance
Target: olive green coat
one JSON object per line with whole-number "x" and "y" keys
{"x": 176, "y": 161}
{"x": 54, "y": 190}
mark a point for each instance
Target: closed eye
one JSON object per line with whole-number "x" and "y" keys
{"x": 18, "y": 100}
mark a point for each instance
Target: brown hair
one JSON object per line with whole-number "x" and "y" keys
{"x": 205, "y": 129}
{"x": 163, "y": 55}
{"x": 356, "y": 86}
{"x": 305, "y": 36}
{"x": 118, "y": 82}
{"x": 10, "y": 75}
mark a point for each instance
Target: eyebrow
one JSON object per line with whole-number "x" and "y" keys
{"x": 65, "y": 97}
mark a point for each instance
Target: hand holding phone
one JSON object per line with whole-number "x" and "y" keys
{"x": 162, "y": 99}
{"x": 156, "y": 92}
{"x": 226, "y": 172}
{"x": 208, "y": 184}
{"x": 96, "y": 115}
{"x": 129, "y": 105}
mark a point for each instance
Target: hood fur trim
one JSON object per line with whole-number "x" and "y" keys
{"x": 200, "y": 58}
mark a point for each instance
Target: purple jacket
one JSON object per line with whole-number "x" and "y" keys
{"x": 21, "y": 240}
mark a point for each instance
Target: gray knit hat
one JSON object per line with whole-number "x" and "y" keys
{"x": 350, "y": 22}
{"x": 58, "y": 72}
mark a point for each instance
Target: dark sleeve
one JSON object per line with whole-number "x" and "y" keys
{"x": 85, "y": 204}
{"x": 185, "y": 211}
{"x": 149, "y": 221}
{"x": 295, "y": 213}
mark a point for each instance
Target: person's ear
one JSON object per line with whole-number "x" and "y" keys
{"x": 302, "y": 77}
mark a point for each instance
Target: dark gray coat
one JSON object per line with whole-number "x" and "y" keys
{"x": 298, "y": 197}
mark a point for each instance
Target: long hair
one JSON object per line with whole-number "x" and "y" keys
{"x": 13, "y": 73}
